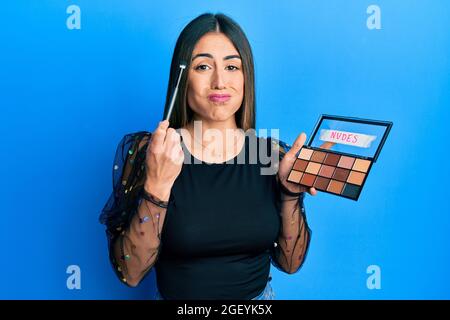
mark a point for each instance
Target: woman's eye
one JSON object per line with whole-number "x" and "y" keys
{"x": 232, "y": 68}
{"x": 201, "y": 67}
{"x": 204, "y": 67}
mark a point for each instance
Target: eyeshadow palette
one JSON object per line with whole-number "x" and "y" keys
{"x": 339, "y": 155}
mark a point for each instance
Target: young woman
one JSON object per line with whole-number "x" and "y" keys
{"x": 189, "y": 200}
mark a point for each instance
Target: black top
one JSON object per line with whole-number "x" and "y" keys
{"x": 222, "y": 220}
{"x": 221, "y": 223}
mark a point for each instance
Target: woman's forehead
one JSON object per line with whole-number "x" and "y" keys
{"x": 214, "y": 45}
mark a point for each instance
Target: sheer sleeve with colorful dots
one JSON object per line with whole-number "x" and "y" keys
{"x": 133, "y": 225}
{"x": 289, "y": 252}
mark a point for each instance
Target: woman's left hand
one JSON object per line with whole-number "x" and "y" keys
{"x": 286, "y": 166}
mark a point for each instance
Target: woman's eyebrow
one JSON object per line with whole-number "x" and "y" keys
{"x": 233, "y": 56}
{"x": 208, "y": 55}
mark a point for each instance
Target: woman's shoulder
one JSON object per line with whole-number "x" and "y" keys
{"x": 137, "y": 135}
{"x": 134, "y": 140}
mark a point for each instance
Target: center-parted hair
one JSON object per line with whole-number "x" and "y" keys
{"x": 191, "y": 34}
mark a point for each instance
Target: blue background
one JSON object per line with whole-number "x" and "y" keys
{"x": 68, "y": 96}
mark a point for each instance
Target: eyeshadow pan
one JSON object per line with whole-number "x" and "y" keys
{"x": 308, "y": 179}
{"x": 361, "y": 165}
{"x": 313, "y": 168}
{"x": 341, "y": 174}
{"x": 346, "y": 162}
{"x": 305, "y": 154}
{"x": 321, "y": 183}
{"x": 295, "y": 176}
{"x": 326, "y": 171}
{"x": 356, "y": 177}
{"x": 332, "y": 159}
{"x": 300, "y": 165}
{"x": 318, "y": 156}
{"x": 335, "y": 186}
{"x": 352, "y": 191}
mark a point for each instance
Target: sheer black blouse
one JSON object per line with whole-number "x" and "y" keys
{"x": 223, "y": 227}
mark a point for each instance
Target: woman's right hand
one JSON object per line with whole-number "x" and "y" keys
{"x": 164, "y": 160}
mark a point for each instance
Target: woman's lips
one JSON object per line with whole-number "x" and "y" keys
{"x": 219, "y": 97}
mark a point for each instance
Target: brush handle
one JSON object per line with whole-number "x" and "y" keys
{"x": 175, "y": 92}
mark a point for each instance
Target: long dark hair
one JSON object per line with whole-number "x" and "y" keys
{"x": 208, "y": 22}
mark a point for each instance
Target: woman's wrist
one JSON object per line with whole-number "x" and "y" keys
{"x": 158, "y": 190}
{"x": 287, "y": 194}
{"x": 285, "y": 197}
{"x": 155, "y": 200}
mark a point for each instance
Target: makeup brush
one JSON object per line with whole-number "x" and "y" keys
{"x": 174, "y": 95}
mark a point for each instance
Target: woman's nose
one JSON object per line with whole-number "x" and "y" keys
{"x": 218, "y": 80}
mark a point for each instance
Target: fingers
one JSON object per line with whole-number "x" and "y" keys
{"x": 160, "y": 134}
{"x": 312, "y": 191}
{"x": 172, "y": 146}
{"x": 172, "y": 137}
{"x": 298, "y": 144}
{"x": 178, "y": 157}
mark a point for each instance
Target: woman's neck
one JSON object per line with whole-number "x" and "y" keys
{"x": 213, "y": 141}
{"x": 207, "y": 125}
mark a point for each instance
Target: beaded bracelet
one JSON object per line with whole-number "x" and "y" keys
{"x": 149, "y": 197}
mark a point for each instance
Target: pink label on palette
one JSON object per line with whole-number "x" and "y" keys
{"x": 349, "y": 138}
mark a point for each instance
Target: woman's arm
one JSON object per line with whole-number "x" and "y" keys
{"x": 143, "y": 162}
{"x": 294, "y": 237}
{"x": 137, "y": 248}
{"x": 122, "y": 211}
{"x": 291, "y": 248}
